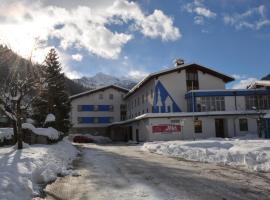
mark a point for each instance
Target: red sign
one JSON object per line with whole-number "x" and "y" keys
{"x": 166, "y": 128}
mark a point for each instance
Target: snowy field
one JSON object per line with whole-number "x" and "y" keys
{"x": 253, "y": 154}
{"x": 22, "y": 172}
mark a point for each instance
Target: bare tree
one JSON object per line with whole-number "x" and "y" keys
{"x": 16, "y": 96}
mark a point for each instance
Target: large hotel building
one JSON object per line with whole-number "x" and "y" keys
{"x": 187, "y": 101}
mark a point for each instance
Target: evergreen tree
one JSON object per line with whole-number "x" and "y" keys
{"x": 53, "y": 97}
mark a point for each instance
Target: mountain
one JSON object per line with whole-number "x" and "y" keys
{"x": 10, "y": 61}
{"x": 101, "y": 79}
{"x": 266, "y": 77}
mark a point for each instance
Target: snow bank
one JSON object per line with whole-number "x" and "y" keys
{"x": 253, "y": 154}
{"x": 23, "y": 171}
{"x": 49, "y": 132}
{"x": 6, "y": 133}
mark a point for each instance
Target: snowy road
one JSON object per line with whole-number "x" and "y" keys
{"x": 125, "y": 173}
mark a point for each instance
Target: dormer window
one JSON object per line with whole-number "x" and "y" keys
{"x": 192, "y": 79}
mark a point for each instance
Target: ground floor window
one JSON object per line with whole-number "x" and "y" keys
{"x": 243, "y": 124}
{"x": 198, "y": 126}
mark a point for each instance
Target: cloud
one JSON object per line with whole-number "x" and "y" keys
{"x": 242, "y": 84}
{"x": 28, "y": 26}
{"x": 254, "y": 18}
{"x": 156, "y": 25}
{"x": 200, "y": 11}
{"x": 77, "y": 57}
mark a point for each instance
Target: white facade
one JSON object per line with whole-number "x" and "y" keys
{"x": 186, "y": 102}
{"x": 98, "y": 108}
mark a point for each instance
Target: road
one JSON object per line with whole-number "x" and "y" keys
{"x": 119, "y": 172}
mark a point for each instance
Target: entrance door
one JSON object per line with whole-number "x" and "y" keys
{"x": 137, "y": 135}
{"x": 219, "y": 124}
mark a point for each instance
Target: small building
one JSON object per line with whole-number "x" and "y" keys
{"x": 94, "y": 110}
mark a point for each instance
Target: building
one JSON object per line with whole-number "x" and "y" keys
{"x": 94, "y": 110}
{"x": 190, "y": 101}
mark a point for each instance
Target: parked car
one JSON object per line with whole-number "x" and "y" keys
{"x": 82, "y": 139}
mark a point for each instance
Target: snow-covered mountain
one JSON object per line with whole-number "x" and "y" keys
{"x": 101, "y": 79}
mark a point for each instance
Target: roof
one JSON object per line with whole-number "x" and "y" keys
{"x": 188, "y": 114}
{"x": 262, "y": 83}
{"x": 224, "y": 77}
{"x": 97, "y": 90}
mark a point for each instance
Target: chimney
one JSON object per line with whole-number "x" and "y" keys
{"x": 178, "y": 62}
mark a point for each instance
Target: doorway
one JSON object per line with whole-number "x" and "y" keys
{"x": 219, "y": 124}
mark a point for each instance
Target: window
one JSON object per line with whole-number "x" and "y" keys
{"x": 111, "y": 108}
{"x": 95, "y": 108}
{"x": 205, "y": 104}
{"x": 100, "y": 96}
{"x": 257, "y": 102}
{"x": 198, "y": 126}
{"x": 111, "y": 96}
{"x": 168, "y": 109}
{"x": 95, "y": 120}
{"x": 111, "y": 119}
{"x": 143, "y": 99}
{"x": 192, "y": 79}
{"x": 243, "y": 124}
{"x": 147, "y": 110}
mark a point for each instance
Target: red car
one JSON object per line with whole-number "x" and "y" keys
{"x": 82, "y": 139}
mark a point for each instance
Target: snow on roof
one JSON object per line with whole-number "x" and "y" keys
{"x": 50, "y": 118}
{"x": 187, "y": 114}
{"x": 97, "y": 90}
{"x": 267, "y": 116}
{"x": 50, "y": 132}
{"x": 226, "y": 78}
{"x": 261, "y": 83}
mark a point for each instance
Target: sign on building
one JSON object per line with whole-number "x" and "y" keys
{"x": 166, "y": 128}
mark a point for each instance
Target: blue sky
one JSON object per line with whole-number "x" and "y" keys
{"x": 232, "y": 36}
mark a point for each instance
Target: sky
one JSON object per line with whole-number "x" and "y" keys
{"x": 135, "y": 38}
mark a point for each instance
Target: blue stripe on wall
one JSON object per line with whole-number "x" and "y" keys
{"x": 103, "y": 107}
{"x": 87, "y": 107}
{"x": 90, "y": 120}
{"x": 91, "y": 107}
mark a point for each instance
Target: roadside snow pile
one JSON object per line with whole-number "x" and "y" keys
{"x": 23, "y": 172}
{"x": 49, "y": 132}
{"x": 253, "y": 154}
{"x": 6, "y": 133}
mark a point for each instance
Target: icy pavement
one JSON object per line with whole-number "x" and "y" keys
{"x": 253, "y": 154}
{"x": 111, "y": 172}
{"x": 23, "y": 171}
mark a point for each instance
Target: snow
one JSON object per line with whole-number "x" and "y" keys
{"x": 50, "y": 118}
{"x": 253, "y": 154}
{"x": 6, "y": 133}
{"x": 49, "y": 132}
{"x": 22, "y": 172}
